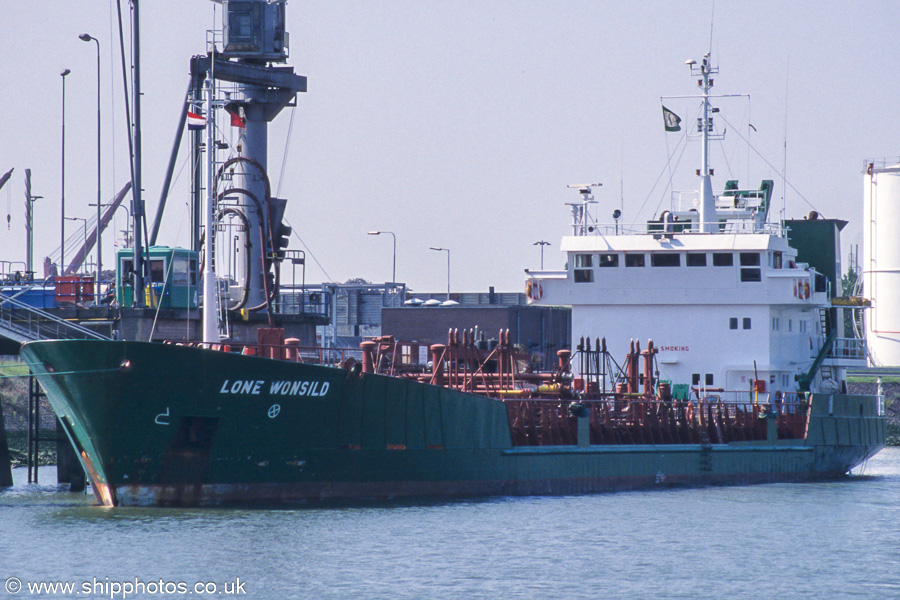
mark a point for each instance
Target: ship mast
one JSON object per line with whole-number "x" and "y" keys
{"x": 708, "y": 220}
{"x": 253, "y": 38}
{"x": 210, "y": 321}
{"x": 581, "y": 210}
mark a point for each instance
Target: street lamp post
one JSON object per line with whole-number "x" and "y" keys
{"x": 541, "y": 243}
{"x": 62, "y": 196}
{"x": 447, "y": 250}
{"x": 129, "y": 236}
{"x": 394, "y": 272}
{"x": 87, "y": 38}
{"x": 128, "y": 212}
{"x": 84, "y": 222}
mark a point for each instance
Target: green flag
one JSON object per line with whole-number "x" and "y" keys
{"x": 671, "y": 120}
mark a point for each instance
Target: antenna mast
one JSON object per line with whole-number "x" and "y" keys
{"x": 580, "y": 214}
{"x": 709, "y": 222}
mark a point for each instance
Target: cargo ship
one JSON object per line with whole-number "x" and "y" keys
{"x": 164, "y": 424}
{"x": 732, "y": 373}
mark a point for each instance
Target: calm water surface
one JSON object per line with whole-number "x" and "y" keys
{"x": 824, "y": 540}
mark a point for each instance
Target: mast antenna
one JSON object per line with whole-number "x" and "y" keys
{"x": 787, "y": 78}
{"x": 708, "y": 220}
{"x": 580, "y": 210}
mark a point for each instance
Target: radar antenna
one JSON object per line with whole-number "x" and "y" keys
{"x": 582, "y": 223}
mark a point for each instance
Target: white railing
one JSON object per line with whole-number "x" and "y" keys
{"x": 848, "y": 348}
{"x": 738, "y": 226}
{"x": 851, "y": 348}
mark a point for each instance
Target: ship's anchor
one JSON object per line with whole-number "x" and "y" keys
{"x": 160, "y": 416}
{"x": 274, "y": 410}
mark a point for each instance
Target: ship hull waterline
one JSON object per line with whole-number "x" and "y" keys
{"x": 157, "y": 424}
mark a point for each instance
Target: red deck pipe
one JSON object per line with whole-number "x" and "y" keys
{"x": 292, "y": 349}
{"x": 368, "y": 356}
{"x": 437, "y": 364}
{"x": 648, "y": 368}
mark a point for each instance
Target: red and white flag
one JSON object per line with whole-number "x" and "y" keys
{"x": 195, "y": 121}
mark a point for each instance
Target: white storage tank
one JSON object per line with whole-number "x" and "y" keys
{"x": 881, "y": 260}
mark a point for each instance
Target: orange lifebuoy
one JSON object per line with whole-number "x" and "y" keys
{"x": 534, "y": 290}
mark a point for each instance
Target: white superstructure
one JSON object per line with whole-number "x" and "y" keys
{"x": 726, "y": 303}
{"x": 881, "y": 260}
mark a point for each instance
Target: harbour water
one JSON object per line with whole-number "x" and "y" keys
{"x": 821, "y": 540}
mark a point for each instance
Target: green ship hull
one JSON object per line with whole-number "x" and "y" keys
{"x": 158, "y": 424}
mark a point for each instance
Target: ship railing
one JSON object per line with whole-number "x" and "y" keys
{"x": 710, "y": 395}
{"x": 852, "y": 348}
{"x": 22, "y": 322}
{"x": 299, "y": 300}
{"x": 627, "y": 420}
{"x": 658, "y": 229}
{"x": 314, "y": 355}
{"x": 14, "y": 272}
{"x": 288, "y": 351}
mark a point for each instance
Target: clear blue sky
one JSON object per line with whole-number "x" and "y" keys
{"x": 459, "y": 124}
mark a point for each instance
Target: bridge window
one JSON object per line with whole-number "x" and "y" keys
{"x": 634, "y": 260}
{"x": 608, "y": 260}
{"x": 723, "y": 259}
{"x": 583, "y": 261}
{"x": 749, "y": 259}
{"x": 583, "y": 272}
{"x": 665, "y": 259}
{"x": 746, "y": 322}
{"x": 696, "y": 259}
